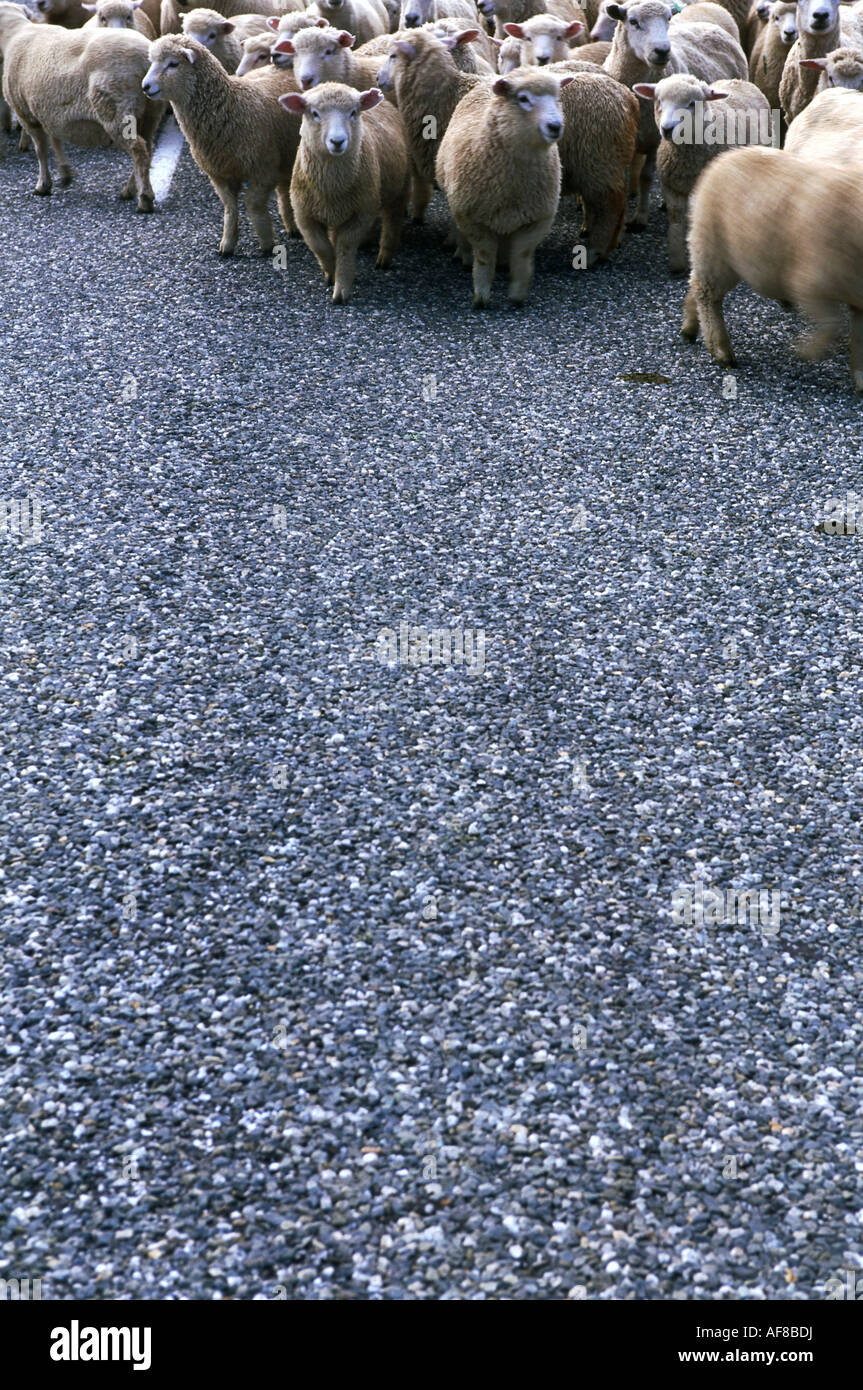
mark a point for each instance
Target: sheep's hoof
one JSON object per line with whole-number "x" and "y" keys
{"x": 267, "y": 251}
{"x": 479, "y": 302}
{"x": 42, "y": 190}
{"x": 689, "y": 335}
{"x": 146, "y": 203}
{"x": 226, "y": 248}
{"x": 340, "y": 296}
{"x": 384, "y": 261}
{"x": 726, "y": 359}
{"x": 64, "y": 178}
{"x": 126, "y": 192}
{"x": 636, "y": 225}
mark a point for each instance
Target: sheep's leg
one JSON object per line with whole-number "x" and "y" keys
{"x": 484, "y": 263}
{"x": 633, "y": 174}
{"x": 826, "y": 321}
{"x": 346, "y": 241}
{"x": 257, "y": 198}
{"x": 141, "y": 154}
{"x": 522, "y": 245}
{"x": 61, "y": 163}
{"x": 5, "y": 117}
{"x": 316, "y": 237}
{"x": 689, "y": 326}
{"x": 857, "y": 349}
{"x": 708, "y": 300}
{"x": 24, "y": 141}
{"x": 645, "y": 181}
{"x": 677, "y": 257}
{"x": 421, "y": 194}
{"x": 392, "y": 218}
{"x": 286, "y": 212}
{"x": 603, "y": 223}
{"x": 228, "y": 193}
{"x": 40, "y": 141}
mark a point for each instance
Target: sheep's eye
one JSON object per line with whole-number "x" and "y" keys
{"x": 316, "y": 115}
{"x": 692, "y": 104}
{"x": 354, "y": 115}
{"x": 635, "y": 24}
{"x": 172, "y": 63}
{"x": 524, "y": 99}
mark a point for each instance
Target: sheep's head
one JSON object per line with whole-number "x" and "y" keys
{"x": 544, "y": 39}
{"x": 11, "y": 17}
{"x": 643, "y": 27}
{"x": 535, "y": 97}
{"x": 114, "y": 14}
{"x": 317, "y": 54}
{"x": 332, "y": 115}
{"x": 784, "y": 15}
{"x": 603, "y": 29}
{"x": 207, "y": 26}
{"x": 676, "y": 100}
{"x": 414, "y": 13}
{"x": 172, "y": 60}
{"x": 843, "y": 68}
{"x": 817, "y": 16}
{"x": 257, "y": 53}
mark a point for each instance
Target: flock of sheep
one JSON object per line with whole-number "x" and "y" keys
{"x": 352, "y": 111}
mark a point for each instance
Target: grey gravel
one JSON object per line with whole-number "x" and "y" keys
{"x": 328, "y": 979}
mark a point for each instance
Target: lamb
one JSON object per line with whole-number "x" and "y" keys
{"x": 365, "y": 19}
{"x": 517, "y": 11}
{"x": 545, "y": 39}
{"x": 172, "y": 11}
{"x": 216, "y": 33}
{"x": 764, "y": 217}
{"x": 648, "y": 43}
{"x": 693, "y": 133}
{"x": 414, "y": 13}
{"x": 841, "y": 68}
{"x": 830, "y": 129}
{"x": 83, "y": 87}
{"x": 324, "y": 55}
{"x": 759, "y": 13}
{"x": 352, "y": 167}
{"x": 235, "y": 129}
{"x": 428, "y": 88}
{"x": 499, "y": 167}
{"x": 772, "y": 47}
{"x": 479, "y": 56}
{"x": 256, "y": 53}
{"x": 258, "y": 49}
{"x": 508, "y": 55}
{"x": 119, "y": 14}
{"x": 822, "y": 27}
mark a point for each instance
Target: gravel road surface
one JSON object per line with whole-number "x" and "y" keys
{"x": 328, "y": 976}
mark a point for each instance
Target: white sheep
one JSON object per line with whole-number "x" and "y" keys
{"x": 479, "y": 56}
{"x": 324, "y": 55}
{"x": 258, "y": 48}
{"x": 83, "y": 87}
{"x": 696, "y": 123}
{"x": 517, "y": 11}
{"x": 499, "y": 167}
{"x": 650, "y": 42}
{"x": 544, "y": 39}
{"x": 831, "y": 129}
{"x": 171, "y": 11}
{"x": 414, "y": 13}
{"x": 772, "y": 46}
{"x": 237, "y": 132}
{"x": 841, "y": 68}
{"x": 216, "y": 33}
{"x": 352, "y": 168}
{"x": 764, "y": 216}
{"x": 119, "y": 14}
{"x": 365, "y": 19}
{"x": 823, "y": 25}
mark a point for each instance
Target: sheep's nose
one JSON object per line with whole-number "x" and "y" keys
{"x": 820, "y": 19}
{"x": 662, "y": 54}
{"x": 306, "y": 83}
{"x": 554, "y": 129}
{"x": 541, "y": 62}
{"x": 337, "y": 143}
{"x": 411, "y": 21}
{"x": 667, "y": 131}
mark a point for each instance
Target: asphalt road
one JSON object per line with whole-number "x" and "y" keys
{"x": 329, "y": 978}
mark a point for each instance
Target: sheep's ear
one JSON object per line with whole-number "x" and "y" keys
{"x": 188, "y": 53}
{"x": 616, "y": 11}
{"x": 515, "y": 31}
{"x": 283, "y": 46}
{"x": 467, "y": 36}
{"x": 573, "y": 30}
{"x": 710, "y": 95}
{"x": 228, "y": 27}
{"x": 498, "y": 43}
{"x": 645, "y": 90}
{"x": 763, "y": 8}
{"x": 273, "y": 22}
{"x": 819, "y": 63}
{"x": 373, "y": 97}
{"x": 406, "y": 49}
{"x": 91, "y": 9}
{"x": 565, "y": 81}
{"x": 501, "y": 87}
{"x": 322, "y": 24}
{"x": 293, "y": 102}
{"x": 136, "y": 4}
{"x": 345, "y": 40}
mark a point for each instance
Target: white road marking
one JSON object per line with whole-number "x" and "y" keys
{"x": 165, "y": 157}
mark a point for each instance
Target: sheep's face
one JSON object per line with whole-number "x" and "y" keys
{"x": 537, "y": 101}
{"x": 414, "y": 13}
{"x": 644, "y": 29}
{"x": 387, "y": 70}
{"x": 544, "y": 39}
{"x": 675, "y": 101}
{"x": 170, "y": 60}
{"x": 784, "y": 16}
{"x": 257, "y": 53}
{"x": 332, "y": 116}
{"x": 207, "y": 29}
{"x": 603, "y": 29}
{"x": 318, "y": 55}
{"x": 486, "y": 7}
{"x": 114, "y": 14}
{"x": 817, "y": 16}
{"x": 332, "y": 5}
{"x": 508, "y": 56}
{"x": 844, "y": 68}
